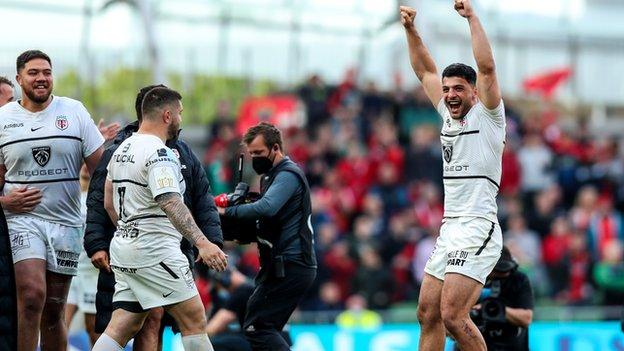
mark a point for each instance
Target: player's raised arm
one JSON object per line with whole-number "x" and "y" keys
{"x": 420, "y": 58}
{"x": 487, "y": 84}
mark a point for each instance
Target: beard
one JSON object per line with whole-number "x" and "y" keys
{"x": 40, "y": 99}
{"x": 172, "y": 131}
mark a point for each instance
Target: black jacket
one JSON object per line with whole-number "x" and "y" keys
{"x": 100, "y": 229}
{"x": 8, "y": 300}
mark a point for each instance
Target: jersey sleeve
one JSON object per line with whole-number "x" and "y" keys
{"x": 91, "y": 137}
{"x": 163, "y": 173}
{"x": 497, "y": 115}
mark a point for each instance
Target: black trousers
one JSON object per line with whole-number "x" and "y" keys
{"x": 271, "y": 305}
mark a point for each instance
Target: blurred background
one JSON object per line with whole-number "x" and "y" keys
{"x": 335, "y": 76}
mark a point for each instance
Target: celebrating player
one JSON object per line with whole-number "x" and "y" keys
{"x": 473, "y": 134}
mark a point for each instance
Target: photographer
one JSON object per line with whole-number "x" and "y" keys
{"x": 284, "y": 236}
{"x": 230, "y": 294}
{"x": 505, "y": 308}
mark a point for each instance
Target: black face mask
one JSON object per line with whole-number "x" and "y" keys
{"x": 262, "y": 164}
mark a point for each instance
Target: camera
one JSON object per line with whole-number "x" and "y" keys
{"x": 492, "y": 310}
{"x": 236, "y": 229}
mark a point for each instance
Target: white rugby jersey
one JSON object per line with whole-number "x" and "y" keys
{"x": 45, "y": 150}
{"x": 142, "y": 168}
{"x": 472, "y": 150}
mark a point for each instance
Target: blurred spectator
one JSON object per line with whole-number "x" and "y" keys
{"x": 423, "y": 157}
{"x": 341, "y": 267}
{"x": 358, "y": 316}
{"x": 605, "y": 226}
{"x": 579, "y": 270}
{"x": 329, "y": 298}
{"x": 315, "y": 94}
{"x": 555, "y": 251}
{"x": 584, "y": 208}
{"x": 372, "y": 280}
{"x": 523, "y": 243}
{"x": 535, "y": 162}
{"x": 608, "y": 274}
{"x": 541, "y": 215}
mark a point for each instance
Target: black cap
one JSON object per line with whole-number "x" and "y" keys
{"x": 505, "y": 263}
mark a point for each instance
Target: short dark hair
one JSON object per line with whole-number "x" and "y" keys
{"x": 269, "y": 132}
{"x": 141, "y": 95}
{"x": 5, "y": 80}
{"x": 158, "y": 98}
{"x": 29, "y": 55}
{"x": 462, "y": 71}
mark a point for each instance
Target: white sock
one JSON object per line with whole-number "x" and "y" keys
{"x": 106, "y": 343}
{"x": 197, "y": 342}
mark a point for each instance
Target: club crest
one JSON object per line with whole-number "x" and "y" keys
{"x": 447, "y": 151}
{"x": 61, "y": 122}
{"x": 41, "y": 155}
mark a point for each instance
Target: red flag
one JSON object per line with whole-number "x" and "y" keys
{"x": 283, "y": 111}
{"x": 546, "y": 83}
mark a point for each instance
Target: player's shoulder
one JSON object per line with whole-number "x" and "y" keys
{"x": 9, "y": 108}
{"x": 64, "y": 101}
{"x": 498, "y": 110}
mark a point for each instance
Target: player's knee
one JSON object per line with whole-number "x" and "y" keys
{"x": 123, "y": 332}
{"x": 194, "y": 323}
{"x": 428, "y": 314}
{"x": 451, "y": 318}
{"x": 32, "y": 301}
{"x": 153, "y": 320}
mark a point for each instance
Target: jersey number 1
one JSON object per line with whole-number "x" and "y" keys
{"x": 121, "y": 191}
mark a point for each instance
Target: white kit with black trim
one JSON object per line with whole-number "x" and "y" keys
{"x": 472, "y": 149}
{"x": 45, "y": 150}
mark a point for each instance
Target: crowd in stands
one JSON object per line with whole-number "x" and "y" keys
{"x": 373, "y": 160}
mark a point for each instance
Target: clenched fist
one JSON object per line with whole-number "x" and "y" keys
{"x": 407, "y": 16}
{"x": 464, "y": 8}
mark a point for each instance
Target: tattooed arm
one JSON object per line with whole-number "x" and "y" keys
{"x": 182, "y": 219}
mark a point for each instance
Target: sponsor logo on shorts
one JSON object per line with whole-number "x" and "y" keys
{"x": 457, "y": 258}
{"x": 188, "y": 276}
{"x": 20, "y": 241}
{"x": 124, "y": 269}
{"x": 67, "y": 259}
{"x": 167, "y": 295}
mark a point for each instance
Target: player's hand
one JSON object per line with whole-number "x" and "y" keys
{"x": 464, "y": 8}
{"x": 212, "y": 255}
{"x": 407, "y": 15}
{"x": 100, "y": 260}
{"x": 21, "y": 200}
{"x": 109, "y": 131}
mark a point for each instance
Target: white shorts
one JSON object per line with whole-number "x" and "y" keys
{"x": 84, "y": 286}
{"x": 169, "y": 282}
{"x": 470, "y": 246}
{"x": 54, "y": 243}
